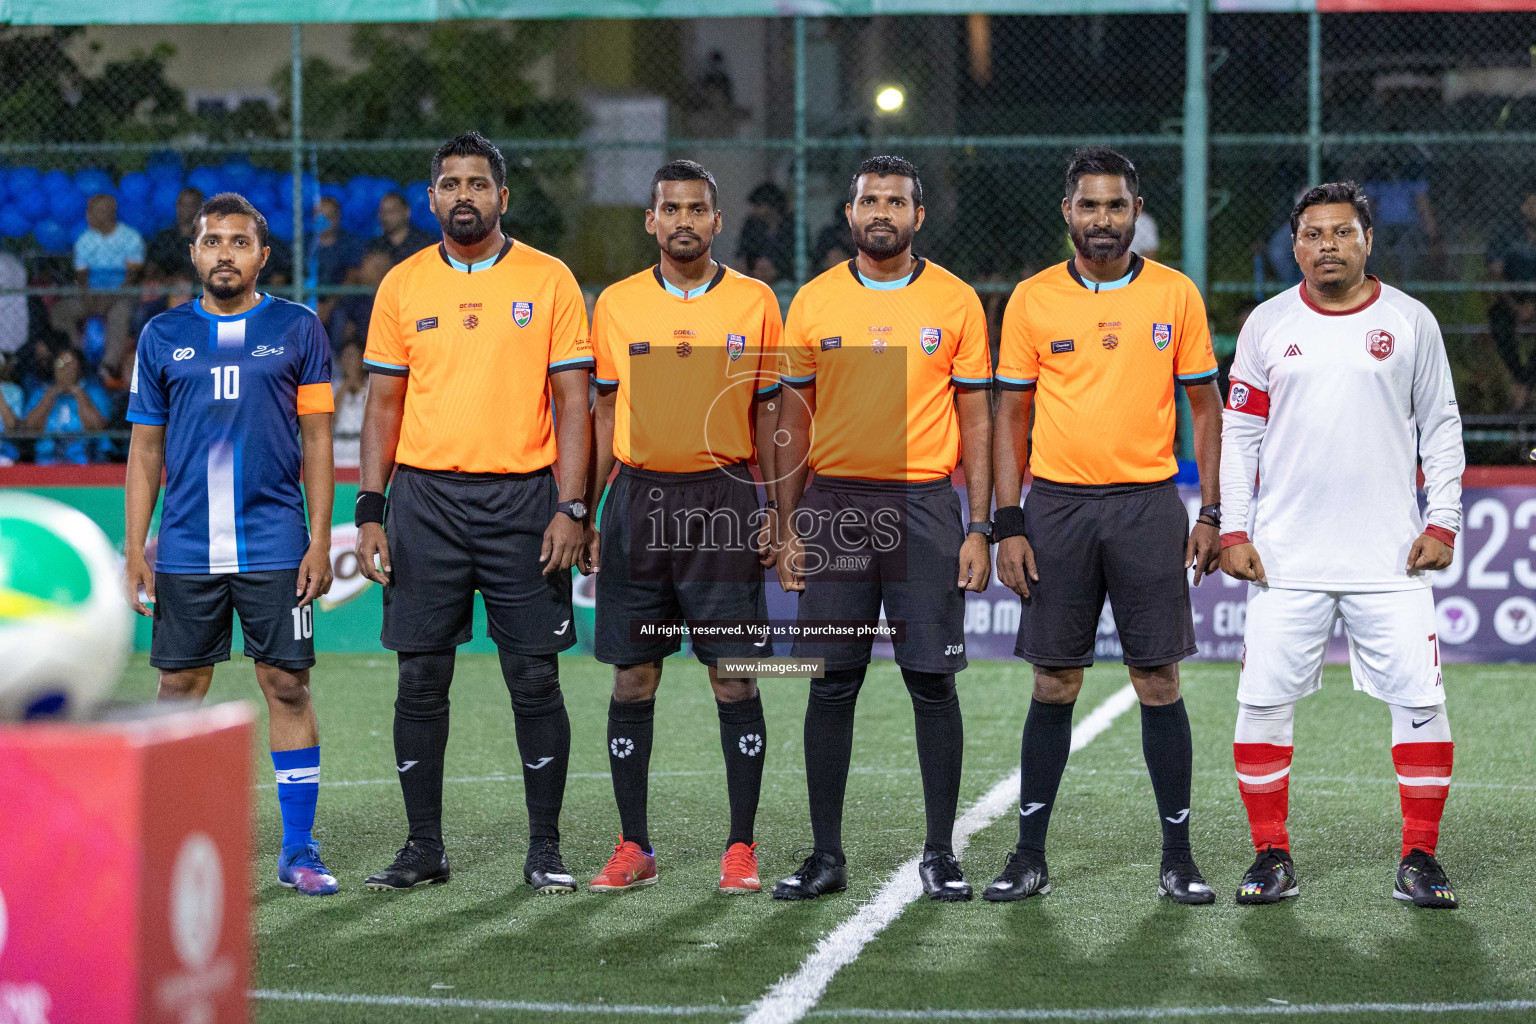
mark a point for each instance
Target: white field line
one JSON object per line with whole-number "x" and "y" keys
{"x": 1120, "y": 1013}
{"x": 791, "y": 998}
{"x": 1185, "y": 1012}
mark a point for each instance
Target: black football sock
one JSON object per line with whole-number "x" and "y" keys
{"x": 1042, "y": 759}
{"x": 940, "y": 750}
{"x": 543, "y": 737}
{"x": 1169, "y": 751}
{"x": 744, "y": 739}
{"x": 421, "y": 737}
{"x": 629, "y": 760}
{"x": 828, "y": 750}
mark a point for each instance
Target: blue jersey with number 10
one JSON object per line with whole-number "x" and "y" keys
{"x": 229, "y": 390}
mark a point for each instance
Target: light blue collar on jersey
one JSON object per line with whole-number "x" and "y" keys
{"x": 470, "y": 268}
{"x": 885, "y": 286}
{"x": 1137, "y": 264}
{"x": 691, "y": 293}
{"x": 197, "y": 307}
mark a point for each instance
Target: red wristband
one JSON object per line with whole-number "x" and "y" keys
{"x": 1235, "y": 537}
{"x": 1441, "y": 534}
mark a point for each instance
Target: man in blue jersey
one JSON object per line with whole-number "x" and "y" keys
{"x": 231, "y": 397}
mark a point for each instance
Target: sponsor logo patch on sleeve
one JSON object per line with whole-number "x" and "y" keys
{"x": 426, "y": 324}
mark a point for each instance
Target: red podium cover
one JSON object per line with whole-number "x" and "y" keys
{"x": 125, "y": 871}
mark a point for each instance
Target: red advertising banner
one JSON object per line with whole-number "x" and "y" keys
{"x": 129, "y": 847}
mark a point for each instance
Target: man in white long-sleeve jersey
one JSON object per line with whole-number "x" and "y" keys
{"x": 1340, "y": 392}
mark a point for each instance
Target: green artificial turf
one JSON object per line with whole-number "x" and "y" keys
{"x": 1101, "y": 938}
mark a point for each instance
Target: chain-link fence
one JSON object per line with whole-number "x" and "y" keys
{"x": 1434, "y": 113}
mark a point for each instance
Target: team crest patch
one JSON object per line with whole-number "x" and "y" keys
{"x": 522, "y": 313}
{"x": 1379, "y": 343}
{"x": 684, "y": 350}
{"x": 1162, "y": 334}
{"x": 735, "y": 345}
{"x": 1238, "y": 396}
{"x": 930, "y": 338}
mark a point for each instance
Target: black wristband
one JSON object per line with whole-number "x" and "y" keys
{"x": 369, "y": 508}
{"x": 1007, "y": 521}
{"x": 1211, "y": 512}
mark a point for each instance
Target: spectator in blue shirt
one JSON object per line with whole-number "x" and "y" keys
{"x": 338, "y": 254}
{"x": 1511, "y": 257}
{"x": 108, "y": 254}
{"x": 1405, "y": 243}
{"x": 72, "y": 403}
{"x": 12, "y": 401}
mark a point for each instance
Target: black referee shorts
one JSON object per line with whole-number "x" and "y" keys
{"x": 874, "y": 542}
{"x": 451, "y": 534}
{"x": 679, "y": 546}
{"x": 1123, "y": 540}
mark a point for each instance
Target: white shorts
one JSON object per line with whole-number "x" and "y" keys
{"x": 1393, "y": 652}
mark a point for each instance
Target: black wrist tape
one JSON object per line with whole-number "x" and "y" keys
{"x": 1007, "y": 521}
{"x": 369, "y": 509}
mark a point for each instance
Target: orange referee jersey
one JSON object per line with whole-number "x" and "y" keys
{"x": 478, "y": 344}
{"x": 687, "y": 367}
{"x": 1103, "y": 360}
{"x": 885, "y": 359}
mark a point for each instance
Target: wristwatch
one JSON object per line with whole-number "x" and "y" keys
{"x": 984, "y": 528}
{"x": 1211, "y": 512}
{"x": 577, "y": 509}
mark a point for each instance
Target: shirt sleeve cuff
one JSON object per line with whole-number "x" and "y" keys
{"x": 1234, "y": 538}
{"x": 388, "y": 369}
{"x": 1441, "y": 534}
{"x": 972, "y": 383}
{"x": 148, "y": 419}
{"x": 1015, "y": 383}
{"x": 1190, "y": 380}
{"x": 584, "y": 363}
{"x": 798, "y": 382}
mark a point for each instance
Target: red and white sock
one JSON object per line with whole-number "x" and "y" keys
{"x": 1262, "y": 750}
{"x": 1422, "y": 753}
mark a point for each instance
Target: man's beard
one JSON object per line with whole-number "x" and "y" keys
{"x": 224, "y": 292}
{"x": 1098, "y": 247}
{"x": 883, "y": 247}
{"x": 466, "y": 233}
{"x": 686, "y": 249}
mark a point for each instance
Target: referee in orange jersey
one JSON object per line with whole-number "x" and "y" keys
{"x": 886, "y": 357}
{"x": 471, "y": 343}
{"x": 1103, "y": 340}
{"x": 686, "y": 394}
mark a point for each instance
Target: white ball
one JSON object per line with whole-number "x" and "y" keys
{"x": 65, "y": 630}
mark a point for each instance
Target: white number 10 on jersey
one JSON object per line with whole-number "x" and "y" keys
{"x": 226, "y": 382}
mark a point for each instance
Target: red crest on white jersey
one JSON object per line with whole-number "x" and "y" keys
{"x": 1379, "y": 343}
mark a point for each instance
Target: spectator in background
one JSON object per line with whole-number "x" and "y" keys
{"x": 351, "y": 396}
{"x": 834, "y": 243}
{"x": 108, "y": 254}
{"x": 1405, "y": 234}
{"x": 764, "y": 269}
{"x": 12, "y": 401}
{"x": 338, "y": 254}
{"x": 14, "y": 321}
{"x": 1145, "y": 241}
{"x": 1511, "y": 257}
{"x": 74, "y": 403}
{"x": 170, "y": 251}
{"x": 176, "y": 289}
{"x": 767, "y": 233}
{"x": 400, "y": 239}
{"x": 349, "y": 321}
